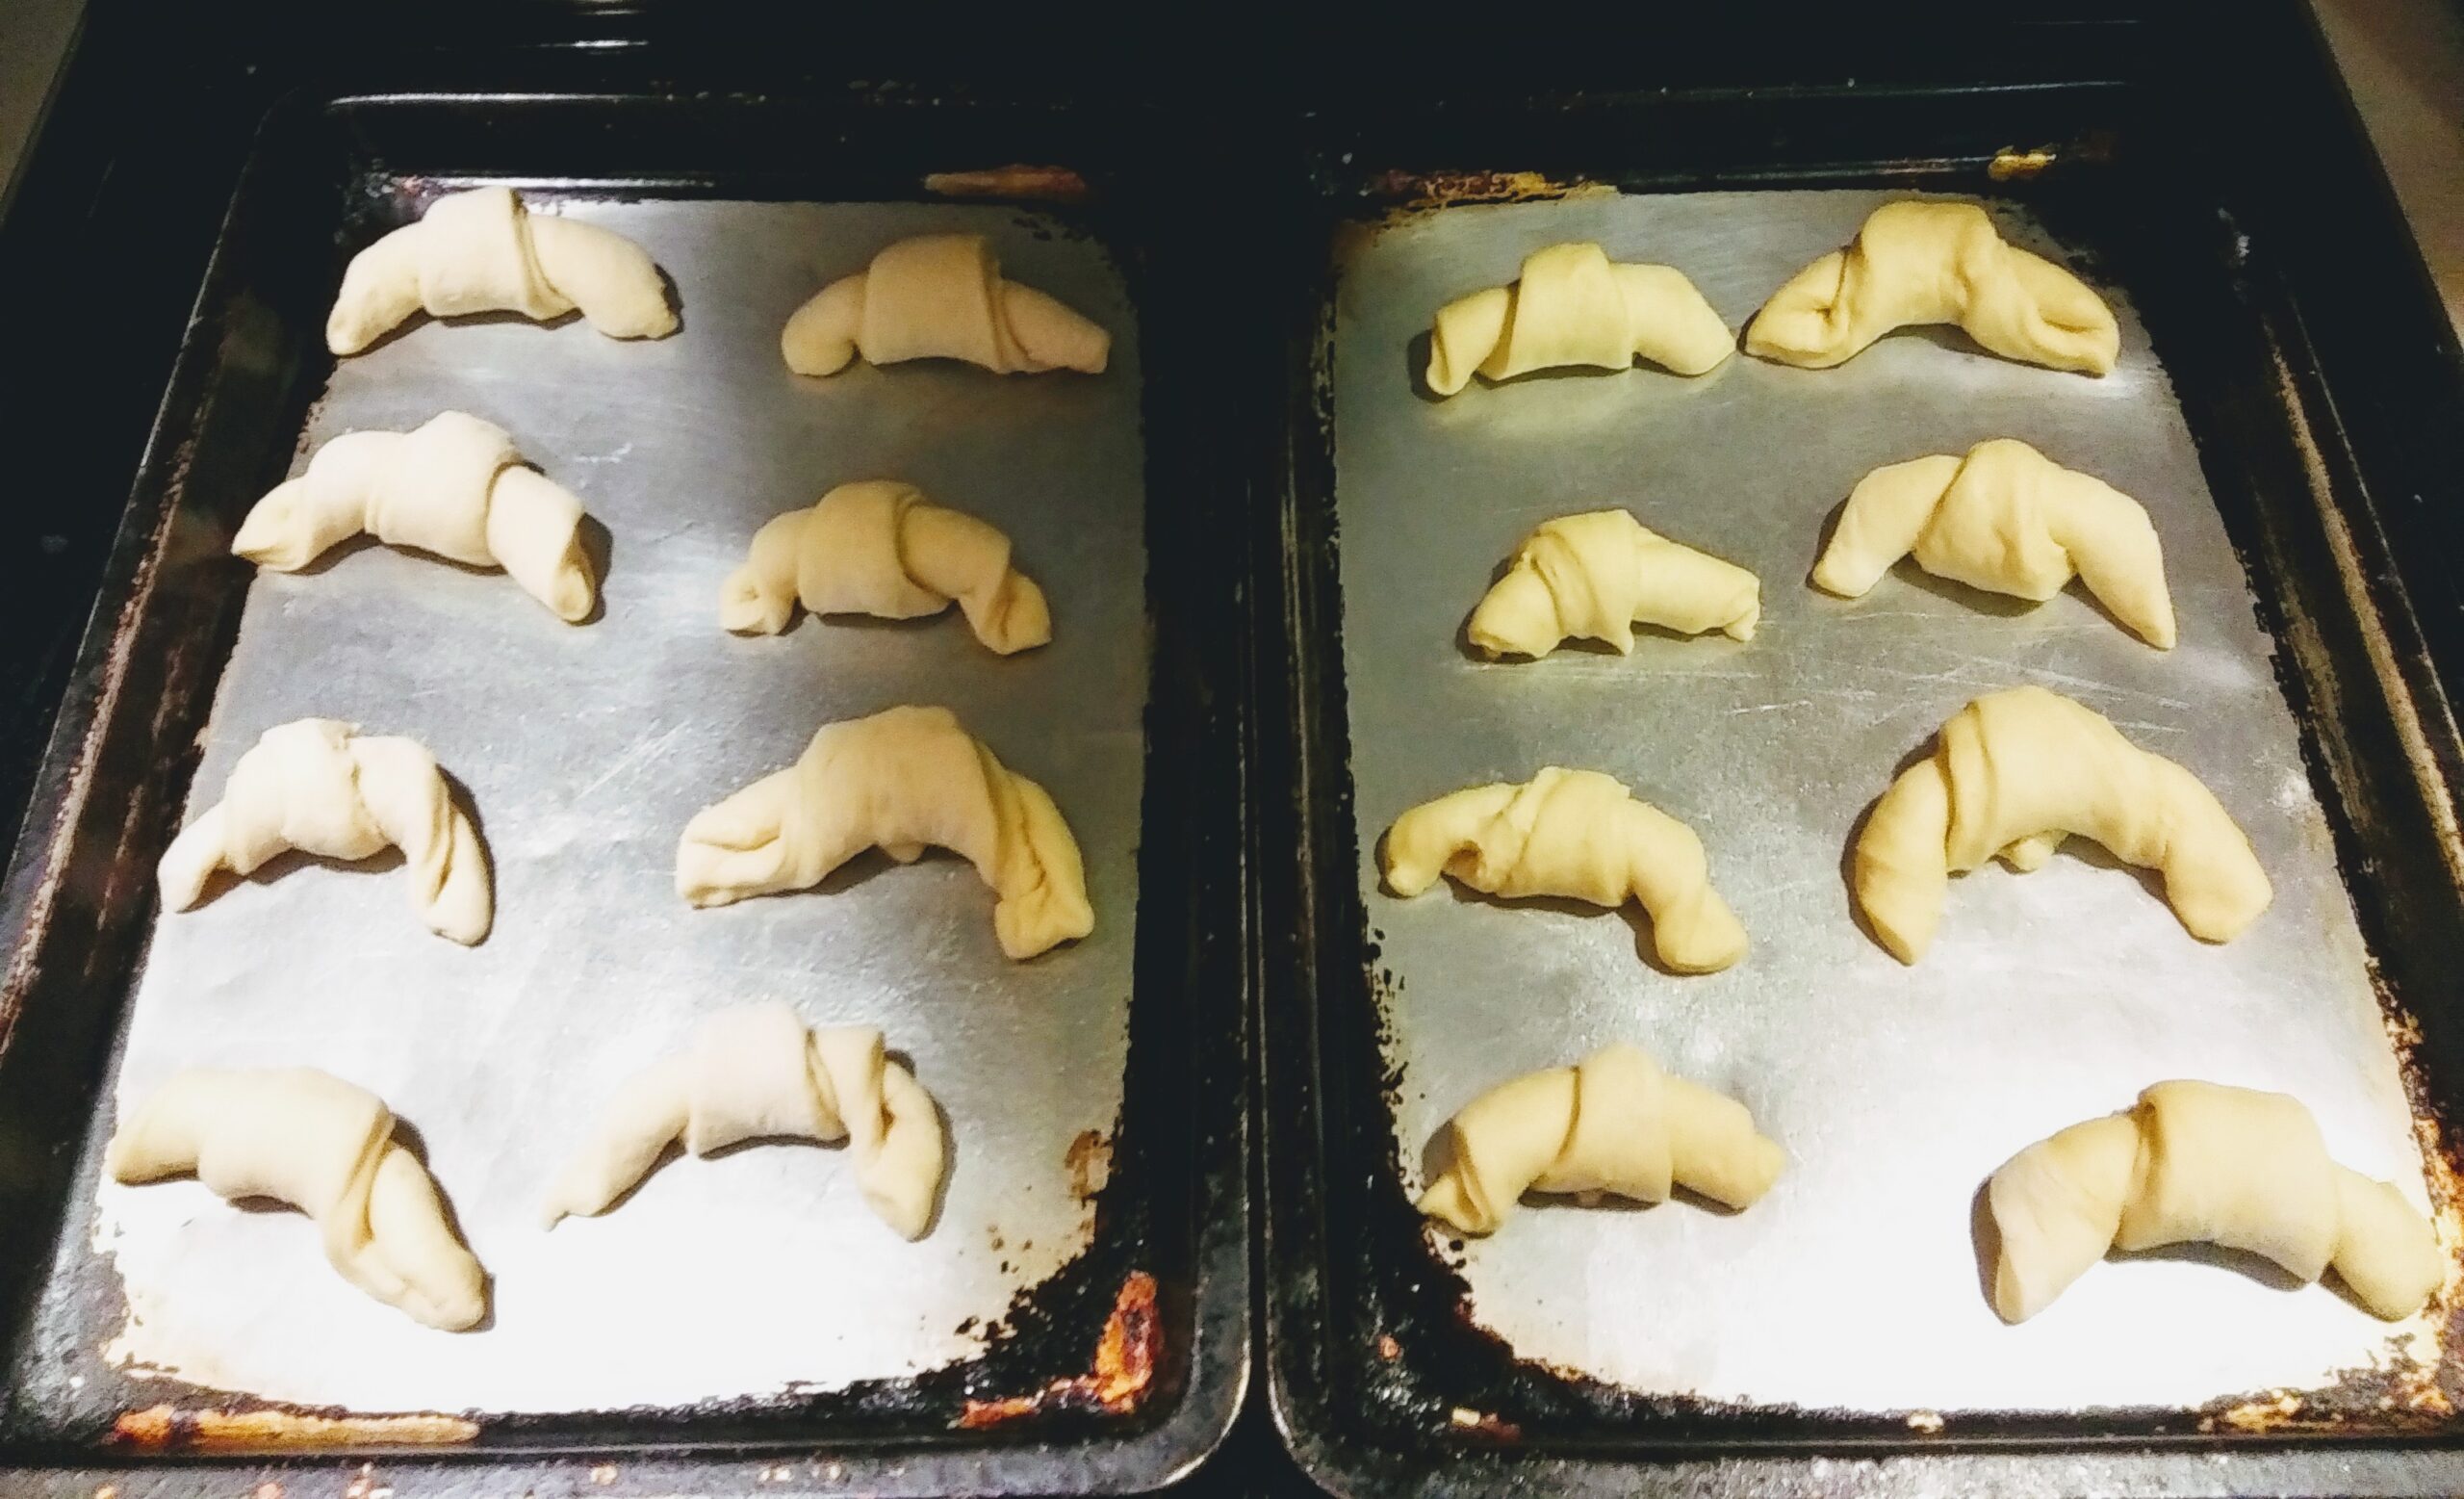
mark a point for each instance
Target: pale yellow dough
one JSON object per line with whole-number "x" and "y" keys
{"x": 484, "y": 251}
{"x": 898, "y": 781}
{"x": 1577, "y": 833}
{"x": 1920, "y": 263}
{"x": 754, "y": 1072}
{"x": 1613, "y": 1124}
{"x": 326, "y": 789}
{"x": 2201, "y": 1162}
{"x": 456, "y": 487}
{"x": 2015, "y": 772}
{"x": 941, "y": 296}
{"x": 2010, "y": 520}
{"x": 877, "y": 547}
{"x": 1598, "y": 575}
{"x": 327, "y": 1148}
{"x": 1572, "y": 306}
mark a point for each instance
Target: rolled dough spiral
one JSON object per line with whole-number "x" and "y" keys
{"x": 2010, "y": 520}
{"x": 1572, "y": 306}
{"x": 1579, "y": 834}
{"x": 941, "y": 296}
{"x": 880, "y": 548}
{"x": 899, "y": 781}
{"x": 2201, "y": 1162}
{"x": 483, "y": 251}
{"x": 326, "y": 789}
{"x": 2015, "y": 772}
{"x": 1916, "y": 263}
{"x": 1615, "y": 1122}
{"x": 456, "y": 487}
{"x": 754, "y": 1072}
{"x": 327, "y": 1148}
{"x": 1598, "y": 575}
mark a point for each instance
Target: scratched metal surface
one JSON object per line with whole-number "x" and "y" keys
{"x": 585, "y": 750}
{"x": 1895, "y": 1091}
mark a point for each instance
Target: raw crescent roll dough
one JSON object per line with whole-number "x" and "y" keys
{"x": 1922, "y": 263}
{"x": 1612, "y": 1123}
{"x": 2201, "y": 1162}
{"x": 1596, "y": 576}
{"x": 456, "y": 487}
{"x": 1574, "y": 306}
{"x": 1577, "y": 833}
{"x": 898, "y": 781}
{"x": 483, "y": 251}
{"x": 328, "y": 789}
{"x": 754, "y": 1072}
{"x": 881, "y": 548}
{"x": 2008, "y": 520}
{"x": 941, "y": 296}
{"x": 2015, "y": 772}
{"x": 327, "y": 1148}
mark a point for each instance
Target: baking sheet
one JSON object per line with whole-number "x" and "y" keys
{"x": 2048, "y": 998}
{"x": 585, "y": 751}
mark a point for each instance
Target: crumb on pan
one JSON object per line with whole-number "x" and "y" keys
{"x": 2010, "y": 164}
{"x": 1481, "y": 1423}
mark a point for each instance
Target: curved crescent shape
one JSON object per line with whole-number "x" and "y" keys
{"x": 1577, "y": 833}
{"x": 1572, "y": 306}
{"x": 454, "y": 488}
{"x": 2015, "y": 772}
{"x": 1923, "y": 263}
{"x": 2008, "y": 520}
{"x": 1598, "y": 575}
{"x": 941, "y": 296}
{"x": 754, "y": 1072}
{"x": 326, "y": 789}
{"x": 897, "y": 781}
{"x": 327, "y": 1148}
{"x": 1612, "y": 1123}
{"x": 2201, "y": 1162}
{"x": 484, "y": 251}
{"x": 880, "y": 548}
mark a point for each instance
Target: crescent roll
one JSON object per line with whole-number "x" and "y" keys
{"x": 881, "y": 548}
{"x": 1598, "y": 575}
{"x": 941, "y": 296}
{"x": 2008, "y": 520}
{"x": 1577, "y": 833}
{"x": 1572, "y": 306}
{"x": 326, "y": 789}
{"x": 2012, "y": 775}
{"x": 897, "y": 781}
{"x": 1612, "y": 1123}
{"x": 1923, "y": 263}
{"x": 484, "y": 251}
{"x": 327, "y": 1148}
{"x": 754, "y": 1072}
{"x": 2197, "y": 1162}
{"x": 456, "y": 487}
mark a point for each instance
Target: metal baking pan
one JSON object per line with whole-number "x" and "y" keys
{"x": 1836, "y": 1335}
{"x": 742, "y": 1324}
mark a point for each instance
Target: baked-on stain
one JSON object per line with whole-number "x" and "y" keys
{"x": 172, "y": 1429}
{"x": 1445, "y": 189}
{"x": 1089, "y": 1159}
{"x": 1019, "y": 179}
{"x": 1125, "y": 1357}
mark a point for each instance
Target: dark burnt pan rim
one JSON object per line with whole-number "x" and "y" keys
{"x": 2234, "y": 326}
{"x": 1174, "y": 1208}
